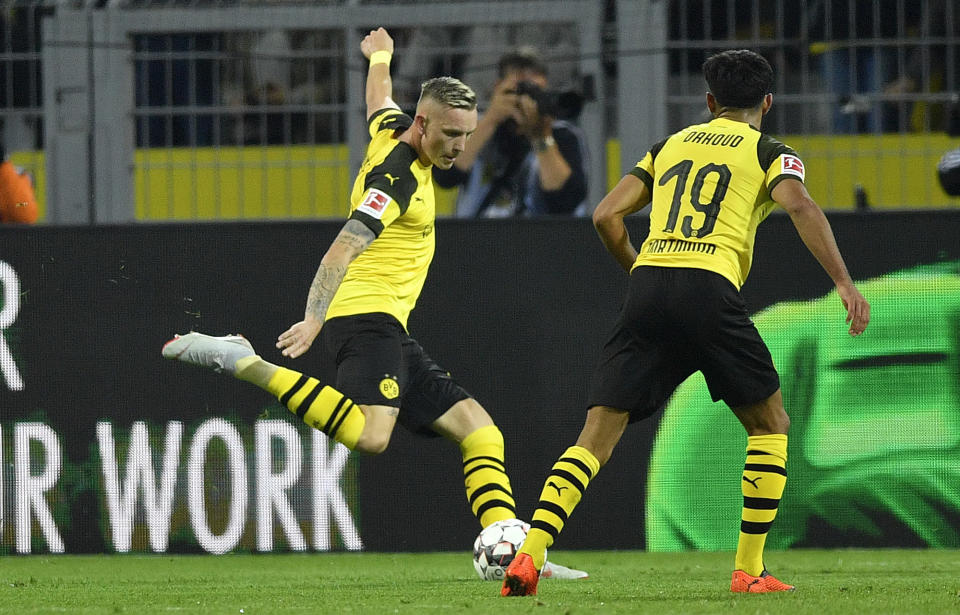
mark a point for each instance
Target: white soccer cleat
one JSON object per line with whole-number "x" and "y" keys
{"x": 556, "y": 571}
{"x": 217, "y": 353}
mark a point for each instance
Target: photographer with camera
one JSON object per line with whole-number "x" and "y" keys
{"x": 526, "y": 157}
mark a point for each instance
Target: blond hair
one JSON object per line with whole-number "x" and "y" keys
{"x": 448, "y": 91}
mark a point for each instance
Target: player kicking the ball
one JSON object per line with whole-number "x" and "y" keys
{"x": 364, "y": 289}
{"x": 711, "y": 185}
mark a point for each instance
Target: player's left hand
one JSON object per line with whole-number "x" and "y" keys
{"x": 858, "y": 310}
{"x": 297, "y": 339}
{"x": 377, "y": 40}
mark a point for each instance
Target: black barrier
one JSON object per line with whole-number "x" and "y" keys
{"x": 104, "y": 446}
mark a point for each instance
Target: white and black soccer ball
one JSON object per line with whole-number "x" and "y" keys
{"x": 495, "y": 547}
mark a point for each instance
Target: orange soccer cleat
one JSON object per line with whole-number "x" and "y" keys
{"x": 765, "y": 583}
{"x": 521, "y": 577}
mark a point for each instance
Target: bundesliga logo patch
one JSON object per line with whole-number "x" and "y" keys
{"x": 375, "y": 203}
{"x": 791, "y": 165}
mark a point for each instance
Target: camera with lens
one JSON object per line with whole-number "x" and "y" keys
{"x": 561, "y": 105}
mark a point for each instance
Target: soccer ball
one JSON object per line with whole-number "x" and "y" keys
{"x": 495, "y": 547}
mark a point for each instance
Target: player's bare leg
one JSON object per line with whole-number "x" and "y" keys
{"x": 377, "y": 429}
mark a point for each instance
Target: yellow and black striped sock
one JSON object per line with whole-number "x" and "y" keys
{"x": 561, "y": 493}
{"x": 321, "y": 407}
{"x": 485, "y": 476}
{"x": 762, "y": 483}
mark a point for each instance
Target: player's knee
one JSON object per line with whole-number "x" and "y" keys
{"x": 373, "y": 443}
{"x": 603, "y": 455}
{"x": 471, "y": 414}
{"x": 462, "y": 420}
{"x": 602, "y": 431}
{"x": 784, "y": 421}
{"x": 775, "y": 419}
{"x": 765, "y": 417}
{"x": 601, "y": 449}
{"x": 768, "y": 423}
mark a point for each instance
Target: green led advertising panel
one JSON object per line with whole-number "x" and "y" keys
{"x": 875, "y": 427}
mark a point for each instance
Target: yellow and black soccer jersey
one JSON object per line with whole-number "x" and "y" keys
{"x": 711, "y": 187}
{"x": 393, "y": 196}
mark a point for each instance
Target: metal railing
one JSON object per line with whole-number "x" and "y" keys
{"x": 212, "y": 109}
{"x": 866, "y": 91}
{"x": 257, "y": 111}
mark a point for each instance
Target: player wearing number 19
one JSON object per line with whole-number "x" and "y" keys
{"x": 710, "y": 186}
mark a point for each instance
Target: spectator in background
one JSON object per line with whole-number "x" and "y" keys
{"x": 523, "y": 159}
{"x": 270, "y": 60}
{"x": 163, "y": 83}
{"x": 854, "y": 73}
{"x": 18, "y": 203}
{"x": 926, "y": 69}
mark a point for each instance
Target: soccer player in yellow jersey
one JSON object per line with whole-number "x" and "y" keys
{"x": 709, "y": 186}
{"x": 364, "y": 289}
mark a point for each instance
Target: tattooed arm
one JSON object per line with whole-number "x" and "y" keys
{"x": 353, "y": 239}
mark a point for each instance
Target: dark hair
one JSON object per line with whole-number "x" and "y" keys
{"x": 522, "y": 59}
{"x": 738, "y": 78}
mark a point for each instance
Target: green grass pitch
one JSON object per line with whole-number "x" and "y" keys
{"x": 842, "y": 582}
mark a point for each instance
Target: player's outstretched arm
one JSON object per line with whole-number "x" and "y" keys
{"x": 353, "y": 239}
{"x": 628, "y": 196}
{"x": 378, "y": 48}
{"x": 815, "y": 231}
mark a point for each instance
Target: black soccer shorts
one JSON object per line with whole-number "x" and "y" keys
{"x": 378, "y": 363}
{"x": 675, "y": 321}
